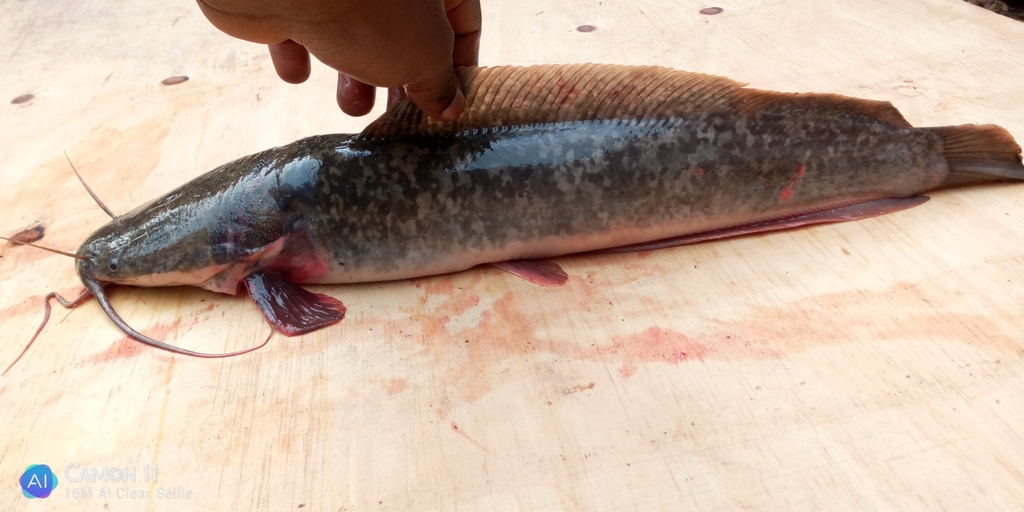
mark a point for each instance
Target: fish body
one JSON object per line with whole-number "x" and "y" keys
{"x": 524, "y": 178}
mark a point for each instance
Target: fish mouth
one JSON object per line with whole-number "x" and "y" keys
{"x": 96, "y": 288}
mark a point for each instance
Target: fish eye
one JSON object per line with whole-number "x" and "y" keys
{"x": 113, "y": 265}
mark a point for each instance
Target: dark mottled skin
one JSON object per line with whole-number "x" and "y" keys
{"x": 402, "y": 203}
{"x": 353, "y": 209}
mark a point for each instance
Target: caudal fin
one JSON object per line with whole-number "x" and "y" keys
{"x": 980, "y": 153}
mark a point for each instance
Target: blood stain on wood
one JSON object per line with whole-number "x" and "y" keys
{"x": 123, "y": 348}
{"x": 509, "y": 329}
{"x": 444, "y": 285}
{"x": 652, "y": 345}
{"x": 29, "y": 304}
{"x": 31, "y": 235}
{"x": 711, "y": 11}
{"x": 462, "y": 433}
{"x": 509, "y": 326}
{"x": 174, "y": 80}
{"x": 453, "y": 303}
{"x": 396, "y": 386}
{"x": 24, "y": 98}
{"x": 627, "y": 370}
{"x": 586, "y": 28}
{"x": 638, "y": 270}
{"x": 126, "y": 347}
{"x": 578, "y": 388}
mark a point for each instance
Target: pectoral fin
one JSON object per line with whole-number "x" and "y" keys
{"x": 542, "y": 272}
{"x": 291, "y": 309}
{"x": 858, "y": 211}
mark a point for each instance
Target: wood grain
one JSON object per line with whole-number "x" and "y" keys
{"x": 872, "y": 365}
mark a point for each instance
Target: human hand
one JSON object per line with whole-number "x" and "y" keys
{"x": 386, "y": 43}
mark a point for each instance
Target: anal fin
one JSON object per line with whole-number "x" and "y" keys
{"x": 542, "y": 272}
{"x": 291, "y": 309}
{"x": 857, "y": 211}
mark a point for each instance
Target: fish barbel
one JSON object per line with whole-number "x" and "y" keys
{"x": 545, "y": 161}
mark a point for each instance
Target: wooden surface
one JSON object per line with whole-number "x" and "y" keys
{"x": 876, "y": 365}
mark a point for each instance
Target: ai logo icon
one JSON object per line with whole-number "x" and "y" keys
{"x": 38, "y": 481}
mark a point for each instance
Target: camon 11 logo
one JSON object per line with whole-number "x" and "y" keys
{"x": 38, "y": 481}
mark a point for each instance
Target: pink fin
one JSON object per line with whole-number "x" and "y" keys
{"x": 291, "y": 309}
{"x": 542, "y": 272}
{"x": 842, "y": 214}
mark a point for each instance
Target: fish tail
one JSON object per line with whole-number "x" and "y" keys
{"x": 980, "y": 153}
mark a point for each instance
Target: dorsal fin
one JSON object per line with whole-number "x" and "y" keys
{"x": 509, "y": 96}
{"x": 755, "y": 101}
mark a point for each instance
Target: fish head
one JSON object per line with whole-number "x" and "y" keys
{"x": 128, "y": 253}
{"x": 208, "y": 254}
{"x": 136, "y": 256}
{"x": 214, "y": 230}
{"x": 107, "y": 258}
{"x": 209, "y": 233}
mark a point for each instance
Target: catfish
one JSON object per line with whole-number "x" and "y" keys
{"x": 545, "y": 161}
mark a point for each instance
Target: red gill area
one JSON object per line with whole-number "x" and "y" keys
{"x": 301, "y": 268}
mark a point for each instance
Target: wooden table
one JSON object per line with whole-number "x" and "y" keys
{"x": 873, "y": 365}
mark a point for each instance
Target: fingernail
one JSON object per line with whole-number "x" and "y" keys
{"x": 455, "y": 109}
